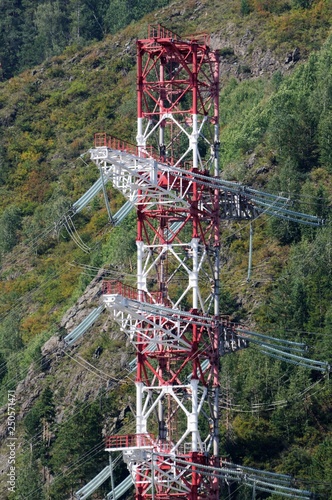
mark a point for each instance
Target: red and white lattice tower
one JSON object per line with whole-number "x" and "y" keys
{"x": 178, "y": 97}
{"x": 173, "y": 317}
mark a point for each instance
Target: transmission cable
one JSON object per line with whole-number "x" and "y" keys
{"x": 69, "y": 225}
{"x": 83, "y": 363}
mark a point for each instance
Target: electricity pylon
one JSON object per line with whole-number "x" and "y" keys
{"x": 173, "y": 317}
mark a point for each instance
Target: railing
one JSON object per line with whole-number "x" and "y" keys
{"x": 118, "y": 288}
{"x": 112, "y": 287}
{"x": 101, "y": 140}
{"x": 130, "y": 441}
{"x": 160, "y": 31}
{"x": 200, "y": 38}
{"x": 147, "y": 441}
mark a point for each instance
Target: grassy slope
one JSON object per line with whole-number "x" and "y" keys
{"x": 48, "y": 117}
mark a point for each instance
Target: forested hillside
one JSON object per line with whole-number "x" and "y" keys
{"x": 64, "y": 80}
{"x": 33, "y": 30}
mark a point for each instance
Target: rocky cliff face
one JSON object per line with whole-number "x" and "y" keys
{"x": 92, "y": 297}
{"x": 243, "y": 58}
{"x": 72, "y": 372}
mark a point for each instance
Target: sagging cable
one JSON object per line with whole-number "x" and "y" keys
{"x": 69, "y": 225}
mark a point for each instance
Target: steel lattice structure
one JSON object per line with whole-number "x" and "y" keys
{"x": 173, "y": 317}
{"x": 177, "y": 241}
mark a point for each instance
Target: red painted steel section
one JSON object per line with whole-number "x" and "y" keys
{"x": 191, "y": 69}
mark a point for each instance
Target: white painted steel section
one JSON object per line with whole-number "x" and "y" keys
{"x": 140, "y": 419}
{"x": 141, "y": 277}
{"x": 140, "y": 136}
{"x": 193, "y": 418}
{"x": 194, "y": 141}
{"x": 194, "y": 274}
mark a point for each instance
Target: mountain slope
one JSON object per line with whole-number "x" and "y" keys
{"x": 276, "y": 133}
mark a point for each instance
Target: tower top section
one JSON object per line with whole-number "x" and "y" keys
{"x": 178, "y": 98}
{"x": 176, "y": 75}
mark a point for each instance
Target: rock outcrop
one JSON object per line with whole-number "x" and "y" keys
{"x": 243, "y": 58}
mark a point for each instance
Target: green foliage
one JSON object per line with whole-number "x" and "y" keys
{"x": 294, "y": 122}
{"x": 4, "y": 167}
{"x": 228, "y": 304}
{"x": 51, "y": 25}
{"x": 10, "y": 223}
{"x": 78, "y": 89}
{"x": 245, "y": 7}
{"x": 10, "y": 337}
{"x": 43, "y": 411}
{"x": 3, "y": 366}
{"x": 39, "y": 421}
{"x": 120, "y": 13}
{"x": 70, "y": 445}
{"x": 121, "y": 246}
{"x": 241, "y": 100}
{"x": 29, "y": 479}
{"x": 255, "y": 441}
{"x": 304, "y": 4}
{"x": 226, "y": 52}
{"x": 301, "y": 301}
{"x": 290, "y": 128}
{"x": 10, "y": 41}
{"x": 297, "y": 462}
{"x": 322, "y": 466}
{"x": 324, "y": 139}
{"x": 325, "y": 340}
{"x": 33, "y": 30}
